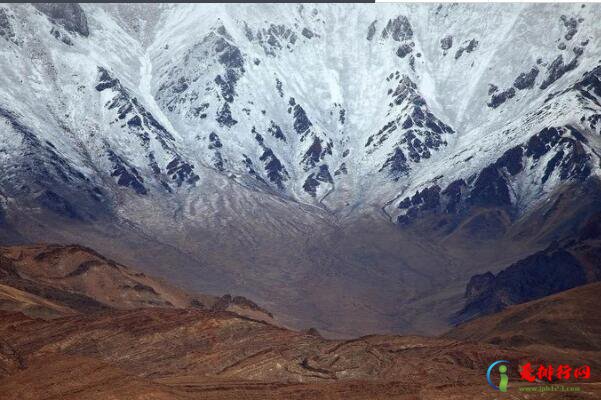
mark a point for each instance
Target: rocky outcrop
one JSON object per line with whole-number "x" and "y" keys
{"x": 492, "y": 187}
{"x": 563, "y": 265}
{"x": 6, "y": 26}
{"x": 539, "y": 275}
{"x": 398, "y": 29}
{"x": 225, "y": 302}
{"x": 467, "y": 47}
{"x": 68, "y": 15}
{"x": 562, "y": 325}
{"x": 557, "y": 69}
{"x": 416, "y": 130}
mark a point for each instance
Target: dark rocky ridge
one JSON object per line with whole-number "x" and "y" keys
{"x": 48, "y": 179}
{"x": 68, "y": 15}
{"x": 142, "y": 124}
{"x": 6, "y": 29}
{"x": 571, "y": 26}
{"x": 446, "y": 42}
{"x": 399, "y": 29}
{"x": 523, "y": 81}
{"x": 419, "y": 131}
{"x": 314, "y": 179}
{"x": 301, "y": 121}
{"x": 491, "y": 187}
{"x": 126, "y": 175}
{"x": 557, "y": 69}
{"x": 275, "y": 170}
{"x": 371, "y": 30}
{"x": 467, "y": 47}
{"x": 563, "y": 265}
{"x": 274, "y": 38}
{"x": 542, "y": 274}
{"x": 499, "y": 98}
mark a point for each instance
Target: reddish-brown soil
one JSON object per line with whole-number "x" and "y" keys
{"x": 75, "y": 341}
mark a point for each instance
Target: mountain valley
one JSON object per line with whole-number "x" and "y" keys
{"x": 351, "y": 168}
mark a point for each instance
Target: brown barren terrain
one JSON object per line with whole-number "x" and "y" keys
{"x": 73, "y": 332}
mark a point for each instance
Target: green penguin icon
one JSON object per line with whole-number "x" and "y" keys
{"x": 504, "y": 378}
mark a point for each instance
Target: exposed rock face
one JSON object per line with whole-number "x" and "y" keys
{"x": 560, "y": 267}
{"x": 371, "y": 30}
{"x": 526, "y": 79}
{"x": 301, "y": 122}
{"x": 227, "y": 302}
{"x": 466, "y": 47}
{"x": 399, "y": 29}
{"x": 566, "y": 324}
{"x": 446, "y": 42}
{"x": 557, "y": 69}
{"x": 523, "y": 81}
{"x": 6, "y": 30}
{"x": 571, "y": 26}
{"x": 418, "y": 132}
{"x": 126, "y": 175}
{"x": 69, "y": 15}
{"x": 499, "y": 98}
{"x": 151, "y": 134}
{"x": 492, "y": 186}
{"x": 403, "y": 50}
{"x": 54, "y": 280}
{"x": 539, "y": 275}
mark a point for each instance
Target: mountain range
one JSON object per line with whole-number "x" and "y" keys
{"x": 354, "y": 168}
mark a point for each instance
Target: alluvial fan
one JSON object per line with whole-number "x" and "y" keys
{"x": 350, "y": 167}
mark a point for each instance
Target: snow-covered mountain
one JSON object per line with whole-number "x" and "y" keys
{"x": 236, "y": 129}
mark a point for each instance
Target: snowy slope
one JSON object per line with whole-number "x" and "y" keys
{"x": 356, "y": 103}
{"x": 335, "y": 90}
